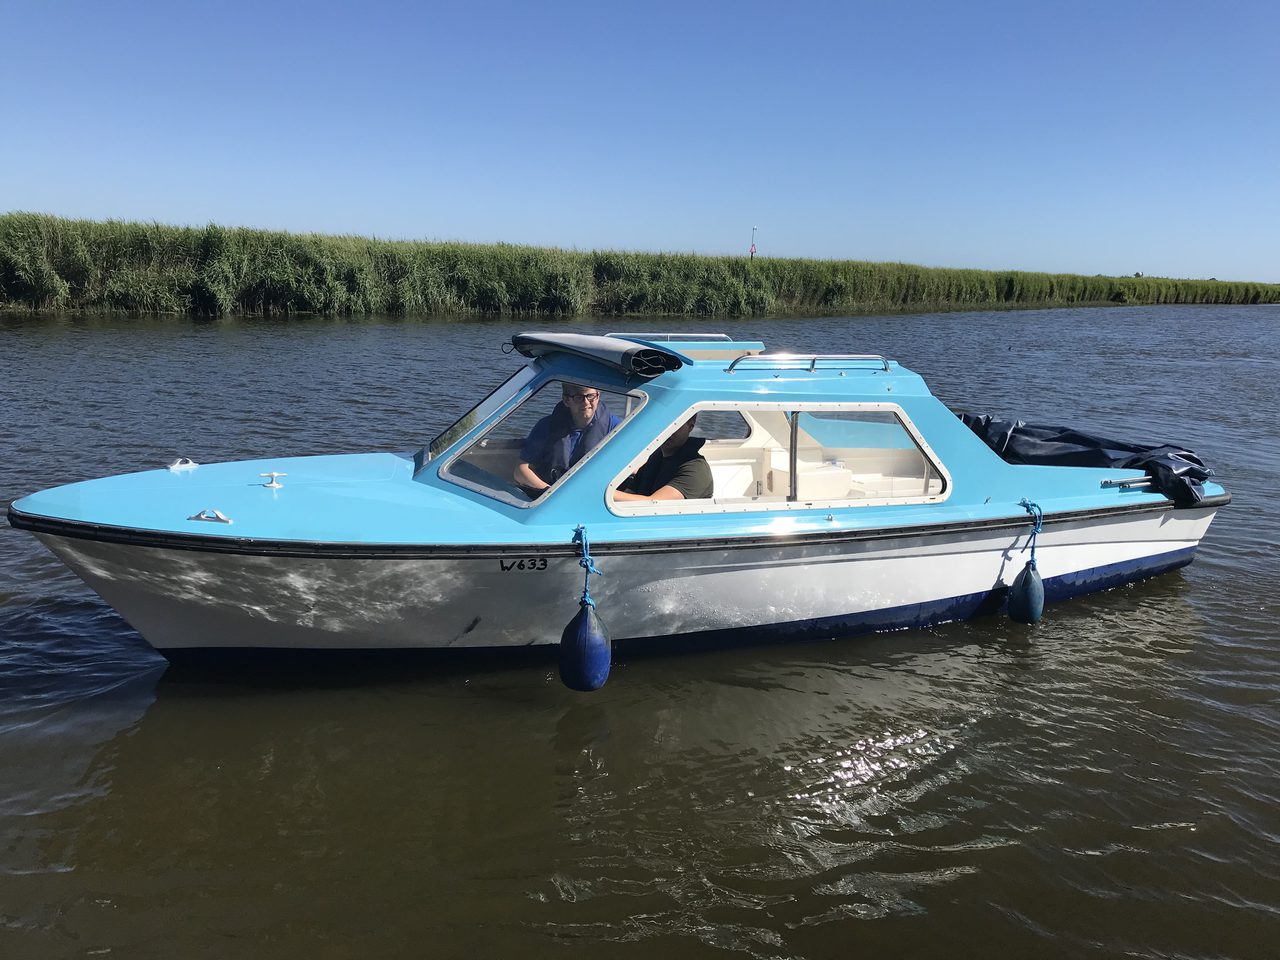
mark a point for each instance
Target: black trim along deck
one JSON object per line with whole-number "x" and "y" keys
{"x": 160, "y": 540}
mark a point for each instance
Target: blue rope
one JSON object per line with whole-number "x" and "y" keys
{"x": 1038, "y": 516}
{"x": 587, "y": 564}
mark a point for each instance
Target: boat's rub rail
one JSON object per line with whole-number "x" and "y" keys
{"x": 101, "y": 533}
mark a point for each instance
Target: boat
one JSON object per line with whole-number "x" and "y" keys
{"x": 846, "y": 498}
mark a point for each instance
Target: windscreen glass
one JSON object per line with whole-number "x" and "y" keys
{"x": 477, "y": 414}
{"x": 527, "y": 453}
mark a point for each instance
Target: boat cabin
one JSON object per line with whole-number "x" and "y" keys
{"x": 780, "y": 431}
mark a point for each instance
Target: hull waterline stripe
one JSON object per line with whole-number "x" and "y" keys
{"x": 103, "y": 533}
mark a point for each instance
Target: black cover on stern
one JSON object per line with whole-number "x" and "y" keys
{"x": 1178, "y": 474}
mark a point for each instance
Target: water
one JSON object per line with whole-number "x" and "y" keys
{"x": 1106, "y": 790}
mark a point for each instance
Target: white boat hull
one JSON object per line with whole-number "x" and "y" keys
{"x": 189, "y": 598}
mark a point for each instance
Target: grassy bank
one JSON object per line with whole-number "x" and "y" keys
{"x": 52, "y": 263}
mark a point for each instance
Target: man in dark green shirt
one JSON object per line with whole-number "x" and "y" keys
{"x": 675, "y": 471}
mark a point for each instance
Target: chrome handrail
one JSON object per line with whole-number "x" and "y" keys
{"x": 671, "y": 337}
{"x": 1129, "y": 482}
{"x": 809, "y": 358}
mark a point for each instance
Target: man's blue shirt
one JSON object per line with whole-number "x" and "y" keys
{"x": 538, "y": 438}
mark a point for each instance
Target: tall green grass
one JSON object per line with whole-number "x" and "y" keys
{"x": 53, "y": 263}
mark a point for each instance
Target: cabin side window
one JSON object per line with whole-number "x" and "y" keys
{"x": 528, "y": 452}
{"x": 777, "y": 455}
{"x": 860, "y": 455}
{"x": 745, "y": 447}
{"x": 748, "y": 452}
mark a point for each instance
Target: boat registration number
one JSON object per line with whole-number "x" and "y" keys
{"x": 527, "y": 563}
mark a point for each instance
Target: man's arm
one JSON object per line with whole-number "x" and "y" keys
{"x": 693, "y": 477}
{"x": 524, "y": 475}
{"x": 662, "y": 493}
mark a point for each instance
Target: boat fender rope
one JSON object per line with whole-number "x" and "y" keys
{"x": 1026, "y": 595}
{"x": 585, "y": 649}
{"x": 586, "y": 563}
{"x": 1038, "y": 516}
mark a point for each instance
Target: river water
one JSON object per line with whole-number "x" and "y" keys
{"x": 1108, "y": 788}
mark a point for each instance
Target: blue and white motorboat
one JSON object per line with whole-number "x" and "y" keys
{"x": 847, "y": 498}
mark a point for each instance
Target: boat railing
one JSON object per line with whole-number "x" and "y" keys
{"x": 671, "y": 337}
{"x": 1129, "y": 482}
{"x": 799, "y": 360}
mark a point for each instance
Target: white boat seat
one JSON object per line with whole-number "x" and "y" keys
{"x": 734, "y": 478}
{"x": 818, "y": 481}
{"x": 823, "y": 481}
{"x": 879, "y": 486}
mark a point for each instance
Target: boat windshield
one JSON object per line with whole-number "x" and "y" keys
{"x": 541, "y": 440}
{"x": 479, "y": 413}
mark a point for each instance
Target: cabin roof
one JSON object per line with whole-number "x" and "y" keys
{"x": 679, "y": 360}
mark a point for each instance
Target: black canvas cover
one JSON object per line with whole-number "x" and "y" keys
{"x": 634, "y": 359}
{"x": 1178, "y": 474}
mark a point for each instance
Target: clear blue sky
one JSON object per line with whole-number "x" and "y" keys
{"x": 1077, "y": 137}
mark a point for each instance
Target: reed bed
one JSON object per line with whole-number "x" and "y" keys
{"x": 52, "y": 263}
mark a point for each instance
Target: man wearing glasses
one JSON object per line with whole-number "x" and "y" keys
{"x": 576, "y": 426}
